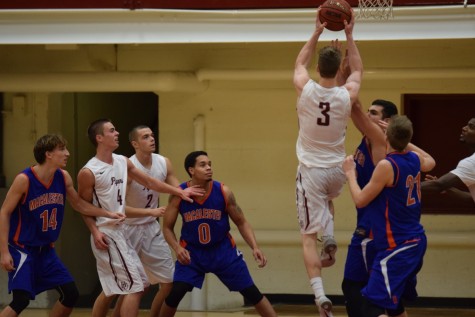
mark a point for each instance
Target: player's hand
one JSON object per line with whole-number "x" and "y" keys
{"x": 349, "y": 165}
{"x": 319, "y": 26}
{"x": 349, "y": 26}
{"x": 6, "y": 261}
{"x": 430, "y": 177}
{"x": 158, "y": 212}
{"x": 116, "y": 215}
{"x": 259, "y": 257}
{"x": 195, "y": 190}
{"x": 100, "y": 240}
{"x": 383, "y": 124}
{"x": 183, "y": 256}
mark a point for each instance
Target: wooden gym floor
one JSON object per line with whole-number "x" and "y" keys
{"x": 282, "y": 310}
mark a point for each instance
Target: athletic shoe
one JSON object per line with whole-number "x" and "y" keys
{"x": 324, "y": 306}
{"x": 329, "y": 245}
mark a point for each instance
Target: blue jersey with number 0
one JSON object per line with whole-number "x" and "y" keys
{"x": 205, "y": 221}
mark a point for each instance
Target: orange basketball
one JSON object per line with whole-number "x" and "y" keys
{"x": 334, "y": 12}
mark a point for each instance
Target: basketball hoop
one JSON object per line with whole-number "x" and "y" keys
{"x": 375, "y": 9}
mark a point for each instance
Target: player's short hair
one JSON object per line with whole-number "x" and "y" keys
{"x": 47, "y": 143}
{"x": 399, "y": 132}
{"x": 329, "y": 60}
{"x": 389, "y": 108}
{"x": 133, "y": 133}
{"x": 190, "y": 159}
{"x": 96, "y": 128}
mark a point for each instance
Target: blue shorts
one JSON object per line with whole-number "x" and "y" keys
{"x": 224, "y": 260}
{"x": 37, "y": 269}
{"x": 393, "y": 276}
{"x": 359, "y": 260}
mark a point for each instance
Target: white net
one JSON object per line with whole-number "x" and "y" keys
{"x": 375, "y": 9}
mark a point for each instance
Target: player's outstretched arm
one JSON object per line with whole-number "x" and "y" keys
{"x": 382, "y": 176}
{"x": 134, "y": 212}
{"x": 353, "y": 82}
{"x": 301, "y": 75}
{"x": 244, "y": 227}
{"x": 161, "y": 187}
{"x": 17, "y": 190}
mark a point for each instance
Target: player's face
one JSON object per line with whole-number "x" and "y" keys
{"x": 375, "y": 113}
{"x": 110, "y": 136}
{"x": 59, "y": 156}
{"x": 146, "y": 140}
{"x": 202, "y": 169}
{"x": 468, "y": 133}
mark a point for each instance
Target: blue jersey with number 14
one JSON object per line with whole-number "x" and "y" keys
{"x": 37, "y": 219}
{"x": 205, "y": 221}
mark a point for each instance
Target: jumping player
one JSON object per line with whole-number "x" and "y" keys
{"x": 323, "y": 110}
{"x": 399, "y": 237}
{"x": 206, "y": 244}
{"x": 30, "y": 222}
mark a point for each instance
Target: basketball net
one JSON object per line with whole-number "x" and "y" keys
{"x": 375, "y": 9}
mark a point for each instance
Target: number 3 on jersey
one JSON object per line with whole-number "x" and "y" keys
{"x": 324, "y": 119}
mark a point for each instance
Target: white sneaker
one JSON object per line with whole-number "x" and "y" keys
{"x": 324, "y": 306}
{"x": 329, "y": 245}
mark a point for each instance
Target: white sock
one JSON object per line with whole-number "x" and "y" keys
{"x": 317, "y": 287}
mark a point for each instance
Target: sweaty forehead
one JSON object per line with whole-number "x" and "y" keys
{"x": 472, "y": 122}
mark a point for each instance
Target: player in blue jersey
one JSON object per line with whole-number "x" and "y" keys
{"x": 371, "y": 150}
{"x": 399, "y": 237}
{"x": 206, "y": 244}
{"x": 30, "y": 222}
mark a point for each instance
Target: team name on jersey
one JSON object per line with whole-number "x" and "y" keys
{"x": 202, "y": 214}
{"x": 46, "y": 199}
{"x": 116, "y": 182}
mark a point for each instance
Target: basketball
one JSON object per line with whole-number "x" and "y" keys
{"x": 334, "y": 12}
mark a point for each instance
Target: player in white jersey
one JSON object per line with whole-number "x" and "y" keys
{"x": 463, "y": 174}
{"x": 142, "y": 230}
{"x": 103, "y": 181}
{"x": 323, "y": 110}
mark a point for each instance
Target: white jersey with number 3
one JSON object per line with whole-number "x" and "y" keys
{"x": 110, "y": 186}
{"x": 323, "y": 115}
{"x": 139, "y": 196}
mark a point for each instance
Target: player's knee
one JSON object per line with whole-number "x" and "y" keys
{"x": 68, "y": 294}
{"x": 178, "y": 291}
{"x": 252, "y": 294}
{"x": 21, "y": 300}
{"x": 396, "y": 312}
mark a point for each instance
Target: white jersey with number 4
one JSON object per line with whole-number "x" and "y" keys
{"x": 323, "y": 115}
{"x": 139, "y": 196}
{"x": 110, "y": 186}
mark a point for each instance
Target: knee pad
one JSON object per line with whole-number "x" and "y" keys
{"x": 398, "y": 311}
{"x": 179, "y": 290}
{"x": 68, "y": 294}
{"x": 371, "y": 310}
{"x": 21, "y": 300}
{"x": 252, "y": 294}
{"x": 353, "y": 298}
